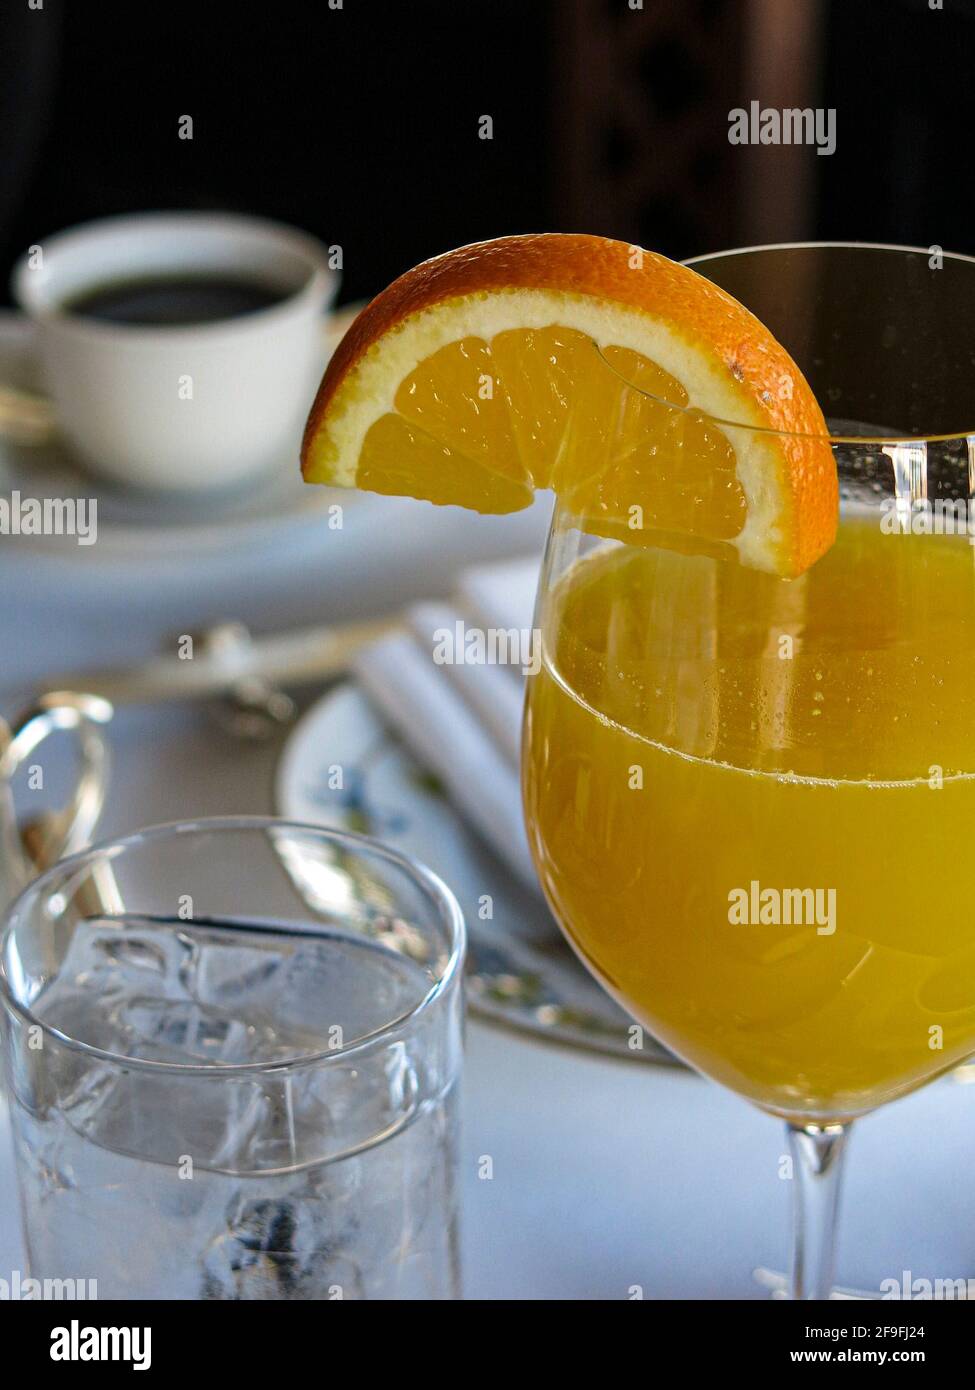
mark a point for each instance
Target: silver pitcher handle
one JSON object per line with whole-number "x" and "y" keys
{"x": 26, "y": 851}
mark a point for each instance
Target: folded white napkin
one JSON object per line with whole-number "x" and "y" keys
{"x": 452, "y": 687}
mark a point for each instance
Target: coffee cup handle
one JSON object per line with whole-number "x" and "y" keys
{"x": 28, "y": 850}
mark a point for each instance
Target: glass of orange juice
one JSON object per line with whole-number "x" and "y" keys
{"x": 741, "y": 789}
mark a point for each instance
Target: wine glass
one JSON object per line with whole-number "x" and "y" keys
{"x": 747, "y": 797}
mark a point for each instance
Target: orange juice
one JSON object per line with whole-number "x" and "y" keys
{"x": 750, "y": 803}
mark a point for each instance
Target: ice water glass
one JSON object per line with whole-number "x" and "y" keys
{"x": 232, "y": 1054}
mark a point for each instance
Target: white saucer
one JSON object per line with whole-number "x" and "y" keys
{"x": 134, "y": 525}
{"x": 521, "y": 973}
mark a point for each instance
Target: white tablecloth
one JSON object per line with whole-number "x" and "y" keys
{"x": 606, "y": 1174}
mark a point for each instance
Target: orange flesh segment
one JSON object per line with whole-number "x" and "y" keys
{"x": 483, "y": 425}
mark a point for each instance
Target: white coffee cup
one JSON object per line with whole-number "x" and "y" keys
{"x": 179, "y": 407}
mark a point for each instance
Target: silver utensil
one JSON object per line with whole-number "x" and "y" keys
{"x": 25, "y": 418}
{"x": 227, "y": 657}
{"x": 26, "y": 850}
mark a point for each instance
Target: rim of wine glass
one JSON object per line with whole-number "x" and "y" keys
{"x": 862, "y": 439}
{"x": 430, "y": 885}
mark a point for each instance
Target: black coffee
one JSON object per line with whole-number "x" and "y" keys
{"x": 184, "y": 299}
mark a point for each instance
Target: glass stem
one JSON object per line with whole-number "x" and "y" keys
{"x": 817, "y": 1161}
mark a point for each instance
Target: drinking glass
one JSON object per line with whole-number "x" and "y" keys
{"x": 233, "y": 1050}
{"x": 747, "y": 797}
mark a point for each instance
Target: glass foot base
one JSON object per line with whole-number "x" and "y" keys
{"x": 778, "y": 1286}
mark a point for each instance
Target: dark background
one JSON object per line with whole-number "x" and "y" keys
{"x": 361, "y": 123}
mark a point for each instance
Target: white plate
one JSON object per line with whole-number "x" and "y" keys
{"x": 521, "y": 972}
{"x": 136, "y": 526}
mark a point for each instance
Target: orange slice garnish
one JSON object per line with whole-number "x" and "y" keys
{"x": 592, "y": 367}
